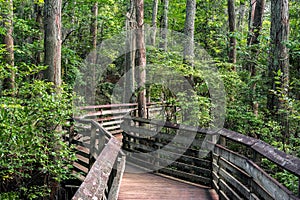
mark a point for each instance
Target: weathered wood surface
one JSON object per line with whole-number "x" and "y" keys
{"x": 102, "y": 161}
{"x": 110, "y": 116}
{"x": 235, "y": 174}
{"x": 139, "y": 186}
{"x": 95, "y": 183}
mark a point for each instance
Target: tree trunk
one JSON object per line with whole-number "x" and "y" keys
{"x": 240, "y": 22}
{"x": 256, "y": 25}
{"x": 231, "y": 20}
{"x": 251, "y": 13}
{"x": 9, "y": 83}
{"x": 141, "y": 58}
{"x": 279, "y": 60}
{"x": 52, "y": 42}
{"x": 189, "y": 28}
{"x": 254, "y": 33}
{"x": 129, "y": 86}
{"x": 93, "y": 56}
{"x": 164, "y": 26}
{"x": 154, "y": 22}
{"x": 38, "y": 9}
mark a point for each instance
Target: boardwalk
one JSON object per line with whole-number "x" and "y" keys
{"x": 150, "y": 186}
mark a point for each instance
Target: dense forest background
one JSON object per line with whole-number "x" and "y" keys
{"x": 255, "y": 45}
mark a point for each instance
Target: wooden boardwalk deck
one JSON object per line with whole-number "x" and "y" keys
{"x": 139, "y": 186}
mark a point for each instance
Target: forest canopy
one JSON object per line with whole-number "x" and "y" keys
{"x": 45, "y": 46}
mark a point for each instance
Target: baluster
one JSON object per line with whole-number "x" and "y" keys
{"x": 299, "y": 186}
{"x": 101, "y": 142}
{"x": 92, "y": 145}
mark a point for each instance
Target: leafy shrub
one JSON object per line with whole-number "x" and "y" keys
{"x": 33, "y": 156}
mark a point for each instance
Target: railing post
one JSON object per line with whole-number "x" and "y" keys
{"x": 257, "y": 157}
{"x": 101, "y": 141}
{"x": 223, "y": 141}
{"x": 299, "y": 186}
{"x": 92, "y": 145}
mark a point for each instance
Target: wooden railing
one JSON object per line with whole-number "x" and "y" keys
{"x": 110, "y": 116}
{"x": 100, "y": 164}
{"x": 234, "y": 168}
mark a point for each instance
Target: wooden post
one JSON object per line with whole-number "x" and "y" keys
{"x": 299, "y": 186}
{"x": 257, "y": 157}
{"x": 92, "y": 145}
{"x": 101, "y": 142}
{"x": 223, "y": 141}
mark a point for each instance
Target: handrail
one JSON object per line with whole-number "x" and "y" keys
{"x": 114, "y": 105}
{"x": 232, "y": 174}
{"x": 288, "y": 162}
{"x": 110, "y": 116}
{"x": 106, "y": 165}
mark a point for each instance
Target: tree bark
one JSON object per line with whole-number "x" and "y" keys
{"x": 141, "y": 58}
{"x": 52, "y": 41}
{"x": 251, "y": 13}
{"x": 154, "y": 22}
{"x": 256, "y": 26}
{"x": 164, "y": 26}
{"x": 231, "y": 21}
{"x": 93, "y": 56}
{"x": 279, "y": 57}
{"x": 189, "y": 29}
{"x": 38, "y": 9}
{"x": 9, "y": 83}
{"x": 129, "y": 86}
{"x": 279, "y": 60}
{"x": 240, "y": 22}
{"x": 254, "y": 33}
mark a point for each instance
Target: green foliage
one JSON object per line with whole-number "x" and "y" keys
{"x": 32, "y": 152}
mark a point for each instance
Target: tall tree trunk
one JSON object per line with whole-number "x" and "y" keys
{"x": 93, "y": 56}
{"x": 251, "y": 13}
{"x": 256, "y": 24}
{"x": 52, "y": 48}
{"x": 130, "y": 54}
{"x": 189, "y": 29}
{"x": 240, "y": 22}
{"x": 231, "y": 21}
{"x": 9, "y": 83}
{"x": 279, "y": 60}
{"x": 254, "y": 33}
{"x": 141, "y": 58}
{"x": 52, "y": 43}
{"x": 38, "y": 9}
{"x": 164, "y": 26}
{"x": 154, "y": 22}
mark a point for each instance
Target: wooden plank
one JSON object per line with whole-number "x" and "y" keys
{"x": 241, "y": 175}
{"x": 106, "y": 112}
{"x": 259, "y": 191}
{"x": 115, "y": 189}
{"x": 109, "y": 128}
{"x": 230, "y": 193}
{"x": 288, "y": 162}
{"x": 108, "y": 106}
{"x": 109, "y": 118}
{"x": 92, "y": 144}
{"x": 186, "y": 176}
{"x": 223, "y": 196}
{"x": 271, "y": 185}
{"x": 109, "y": 123}
{"x": 142, "y": 186}
{"x": 95, "y": 182}
{"x": 238, "y": 186}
